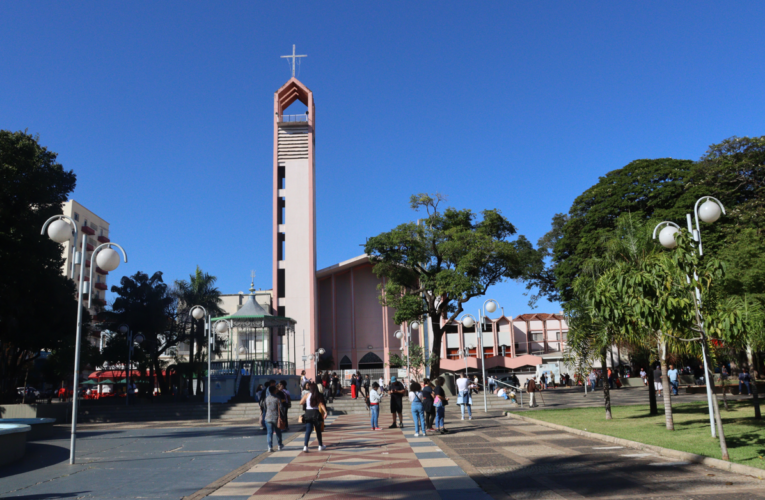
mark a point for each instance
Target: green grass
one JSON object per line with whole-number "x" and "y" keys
{"x": 744, "y": 435}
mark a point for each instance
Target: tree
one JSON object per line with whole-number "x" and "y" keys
{"x": 145, "y": 304}
{"x": 38, "y": 307}
{"x": 199, "y": 290}
{"x": 416, "y": 359}
{"x": 435, "y": 267}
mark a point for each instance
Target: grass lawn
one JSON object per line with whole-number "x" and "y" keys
{"x": 744, "y": 435}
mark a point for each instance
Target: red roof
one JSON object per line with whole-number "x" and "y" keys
{"x": 539, "y": 317}
{"x": 112, "y": 374}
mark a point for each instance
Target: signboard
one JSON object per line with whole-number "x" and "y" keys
{"x": 401, "y": 373}
{"x": 551, "y": 371}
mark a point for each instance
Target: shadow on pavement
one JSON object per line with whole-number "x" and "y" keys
{"x": 37, "y": 456}
{"x": 73, "y": 494}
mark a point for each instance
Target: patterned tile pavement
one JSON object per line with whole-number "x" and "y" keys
{"x": 358, "y": 464}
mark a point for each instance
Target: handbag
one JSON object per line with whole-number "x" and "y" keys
{"x": 301, "y": 419}
{"x": 280, "y": 423}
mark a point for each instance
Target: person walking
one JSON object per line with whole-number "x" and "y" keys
{"x": 427, "y": 404}
{"x": 353, "y": 386}
{"x": 272, "y": 404}
{"x": 262, "y": 402}
{"x": 440, "y": 401}
{"x": 375, "y": 396}
{"x": 314, "y": 415}
{"x": 359, "y": 381}
{"x": 418, "y": 413}
{"x": 644, "y": 376}
{"x": 657, "y": 380}
{"x": 365, "y": 385}
{"x": 285, "y": 403}
{"x": 674, "y": 380}
{"x": 531, "y": 388}
{"x": 744, "y": 380}
{"x": 396, "y": 391}
{"x": 303, "y": 379}
{"x": 492, "y": 383}
{"x": 593, "y": 380}
{"x": 464, "y": 396}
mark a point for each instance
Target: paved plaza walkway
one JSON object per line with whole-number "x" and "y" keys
{"x": 358, "y": 464}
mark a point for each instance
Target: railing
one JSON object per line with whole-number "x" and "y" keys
{"x": 520, "y": 390}
{"x": 293, "y": 118}
{"x": 252, "y": 367}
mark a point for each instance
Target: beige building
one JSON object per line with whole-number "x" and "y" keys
{"x": 96, "y": 231}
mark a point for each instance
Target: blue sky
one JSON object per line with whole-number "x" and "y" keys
{"x": 164, "y": 111}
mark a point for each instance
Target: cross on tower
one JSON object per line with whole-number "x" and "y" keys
{"x": 293, "y": 57}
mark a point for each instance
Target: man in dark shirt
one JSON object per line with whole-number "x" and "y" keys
{"x": 743, "y": 380}
{"x": 396, "y": 392}
{"x": 365, "y": 385}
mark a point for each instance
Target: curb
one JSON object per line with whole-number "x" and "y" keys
{"x": 666, "y": 452}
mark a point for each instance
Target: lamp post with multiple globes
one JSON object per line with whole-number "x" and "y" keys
{"x": 60, "y": 229}
{"x": 412, "y": 325}
{"x": 709, "y": 211}
{"x": 489, "y": 306}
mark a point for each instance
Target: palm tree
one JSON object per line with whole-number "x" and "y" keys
{"x": 199, "y": 290}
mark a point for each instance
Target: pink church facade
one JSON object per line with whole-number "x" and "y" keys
{"x": 337, "y": 308}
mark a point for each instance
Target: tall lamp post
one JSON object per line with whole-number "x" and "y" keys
{"x": 412, "y": 325}
{"x": 199, "y": 312}
{"x": 60, "y": 228}
{"x": 489, "y": 306}
{"x": 315, "y": 358}
{"x": 124, "y": 329}
{"x": 708, "y": 212}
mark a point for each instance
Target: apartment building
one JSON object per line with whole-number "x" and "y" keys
{"x": 96, "y": 231}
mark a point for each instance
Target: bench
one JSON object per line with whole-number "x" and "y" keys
{"x": 13, "y": 442}
{"x": 42, "y": 428}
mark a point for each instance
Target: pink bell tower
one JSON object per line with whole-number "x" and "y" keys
{"x": 294, "y": 271}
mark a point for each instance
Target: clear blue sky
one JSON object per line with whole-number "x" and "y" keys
{"x": 164, "y": 111}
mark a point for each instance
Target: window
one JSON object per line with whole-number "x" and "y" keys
{"x": 537, "y": 336}
{"x": 76, "y": 216}
{"x": 85, "y": 223}
{"x": 564, "y": 336}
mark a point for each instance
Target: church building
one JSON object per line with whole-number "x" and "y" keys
{"x": 337, "y": 308}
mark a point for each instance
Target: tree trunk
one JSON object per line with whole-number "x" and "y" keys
{"x": 753, "y": 372}
{"x": 654, "y": 409}
{"x": 667, "y": 391}
{"x": 604, "y": 376}
{"x": 724, "y": 391}
{"x": 438, "y": 333}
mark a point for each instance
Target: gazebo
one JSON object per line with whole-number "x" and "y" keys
{"x": 251, "y": 318}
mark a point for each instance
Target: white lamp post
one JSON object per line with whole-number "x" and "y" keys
{"x": 199, "y": 312}
{"x": 60, "y": 229}
{"x": 489, "y": 306}
{"x": 709, "y": 212}
{"x": 414, "y": 325}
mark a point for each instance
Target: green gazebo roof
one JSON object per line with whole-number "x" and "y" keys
{"x": 253, "y": 315}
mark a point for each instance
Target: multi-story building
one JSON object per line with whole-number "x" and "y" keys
{"x": 96, "y": 231}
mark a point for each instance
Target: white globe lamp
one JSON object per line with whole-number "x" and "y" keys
{"x": 59, "y": 231}
{"x": 221, "y": 328}
{"x": 491, "y": 306}
{"x": 321, "y": 350}
{"x": 399, "y": 335}
{"x": 709, "y": 211}
{"x": 198, "y": 313}
{"x": 108, "y": 259}
{"x": 415, "y": 326}
{"x": 667, "y": 236}
{"x": 468, "y": 322}
{"x": 241, "y": 350}
{"x": 123, "y": 329}
{"x": 138, "y": 338}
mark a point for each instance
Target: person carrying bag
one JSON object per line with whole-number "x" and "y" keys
{"x": 314, "y": 415}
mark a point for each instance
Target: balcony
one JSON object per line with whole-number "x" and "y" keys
{"x": 87, "y": 263}
{"x": 103, "y": 239}
{"x": 101, "y": 286}
{"x": 85, "y": 278}
{"x": 89, "y": 247}
{"x": 88, "y": 230}
{"x": 302, "y": 119}
{"x": 101, "y": 271}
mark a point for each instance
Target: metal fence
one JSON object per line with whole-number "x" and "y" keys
{"x": 252, "y": 367}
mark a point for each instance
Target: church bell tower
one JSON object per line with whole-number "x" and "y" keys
{"x": 294, "y": 271}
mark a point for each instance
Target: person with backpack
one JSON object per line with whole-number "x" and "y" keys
{"x": 418, "y": 414}
{"x": 314, "y": 415}
{"x": 272, "y": 403}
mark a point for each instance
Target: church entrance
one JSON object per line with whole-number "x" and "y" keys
{"x": 372, "y": 365}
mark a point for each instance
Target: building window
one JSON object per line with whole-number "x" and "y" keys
{"x": 76, "y": 216}
{"x": 537, "y": 336}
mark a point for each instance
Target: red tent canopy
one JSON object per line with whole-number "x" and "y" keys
{"x": 112, "y": 374}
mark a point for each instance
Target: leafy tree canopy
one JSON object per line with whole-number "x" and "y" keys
{"x": 434, "y": 267}
{"x": 39, "y": 308}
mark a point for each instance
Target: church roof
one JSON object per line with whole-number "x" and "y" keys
{"x": 292, "y": 91}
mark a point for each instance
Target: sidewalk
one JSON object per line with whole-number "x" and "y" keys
{"x": 358, "y": 463}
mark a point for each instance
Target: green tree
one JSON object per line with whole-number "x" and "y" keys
{"x": 38, "y": 307}
{"x": 199, "y": 290}
{"x": 416, "y": 358}
{"x": 435, "y": 267}
{"x": 145, "y": 304}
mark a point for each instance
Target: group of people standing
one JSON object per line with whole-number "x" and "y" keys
{"x": 427, "y": 401}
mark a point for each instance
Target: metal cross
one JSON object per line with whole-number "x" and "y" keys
{"x": 293, "y": 57}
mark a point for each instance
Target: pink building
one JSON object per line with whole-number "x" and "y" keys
{"x": 337, "y": 308}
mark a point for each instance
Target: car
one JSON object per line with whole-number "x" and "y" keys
{"x": 31, "y": 391}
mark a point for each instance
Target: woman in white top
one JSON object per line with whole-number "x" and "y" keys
{"x": 418, "y": 414}
{"x": 375, "y": 396}
{"x": 314, "y": 404}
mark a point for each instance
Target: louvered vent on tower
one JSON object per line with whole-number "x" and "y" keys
{"x": 293, "y": 143}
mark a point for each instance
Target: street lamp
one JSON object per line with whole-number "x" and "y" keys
{"x": 489, "y": 306}
{"x": 60, "y": 229}
{"x": 413, "y": 325}
{"x": 709, "y": 212}
{"x": 198, "y": 313}
{"x": 125, "y": 330}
